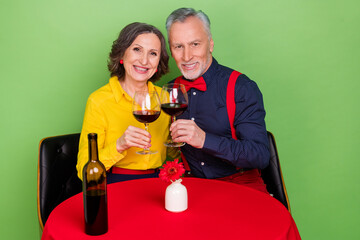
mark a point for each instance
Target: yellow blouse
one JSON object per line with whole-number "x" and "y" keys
{"x": 108, "y": 113}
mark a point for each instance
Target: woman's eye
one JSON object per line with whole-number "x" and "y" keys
{"x": 154, "y": 54}
{"x": 136, "y": 49}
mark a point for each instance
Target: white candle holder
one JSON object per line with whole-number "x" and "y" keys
{"x": 176, "y": 198}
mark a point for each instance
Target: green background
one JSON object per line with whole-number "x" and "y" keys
{"x": 304, "y": 55}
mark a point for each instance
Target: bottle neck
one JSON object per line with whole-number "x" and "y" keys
{"x": 93, "y": 148}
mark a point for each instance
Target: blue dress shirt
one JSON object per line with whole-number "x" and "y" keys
{"x": 222, "y": 155}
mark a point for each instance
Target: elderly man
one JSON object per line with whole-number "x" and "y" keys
{"x": 212, "y": 150}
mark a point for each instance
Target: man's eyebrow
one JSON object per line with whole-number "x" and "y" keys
{"x": 196, "y": 40}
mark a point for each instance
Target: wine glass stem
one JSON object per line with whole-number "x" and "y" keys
{"x": 146, "y": 129}
{"x": 173, "y": 118}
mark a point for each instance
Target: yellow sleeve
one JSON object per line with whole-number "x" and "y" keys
{"x": 95, "y": 122}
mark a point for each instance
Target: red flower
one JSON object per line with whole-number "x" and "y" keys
{"x": 172, "y": 171}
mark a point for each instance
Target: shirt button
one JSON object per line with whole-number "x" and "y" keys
{"x": 202, "y": 163}
{"x": 194, "y": 93}
{"x": 192, "y": 118}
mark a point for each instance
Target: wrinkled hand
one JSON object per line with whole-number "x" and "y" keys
{"x": 133, "y": 137}
{"x": 187, "y": 131}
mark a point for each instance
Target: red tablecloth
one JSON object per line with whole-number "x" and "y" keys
{"x": 217, "y": 210}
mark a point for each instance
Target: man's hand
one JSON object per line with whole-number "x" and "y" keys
{"x": 187, "y": 131}
{"x": 133, "y": 137}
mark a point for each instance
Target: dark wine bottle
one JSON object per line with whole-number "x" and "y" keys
{"x": 94, "y": 191}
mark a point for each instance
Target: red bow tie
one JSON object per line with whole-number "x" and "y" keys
{"x": 199, "y": 83}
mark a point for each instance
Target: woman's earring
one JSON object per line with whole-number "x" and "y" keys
{"x": 156, "y": 70}
{"x": 121, "y": 61}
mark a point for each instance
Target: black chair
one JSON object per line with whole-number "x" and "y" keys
{"x": 272, "y": 175}
{"x": 57, "y": 175}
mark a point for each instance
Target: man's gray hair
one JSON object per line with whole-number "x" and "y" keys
{"x": 181, "y": 14}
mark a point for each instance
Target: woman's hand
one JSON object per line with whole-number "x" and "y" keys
{"x": 133, "y": 137}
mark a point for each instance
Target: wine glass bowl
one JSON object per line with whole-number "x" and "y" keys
{"x": 146, "y": 116}
{"x": 174, "y": 109}
{"x": 146, "y": 109}
{"x": 174, "y": 101}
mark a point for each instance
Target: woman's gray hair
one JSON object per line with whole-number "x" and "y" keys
{"x": 181, "y": 14}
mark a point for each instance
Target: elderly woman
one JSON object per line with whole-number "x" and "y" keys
{"x": 138, "y": 58}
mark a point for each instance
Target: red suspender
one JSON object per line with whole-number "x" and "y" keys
{"x": 186, "y": 165}
{"x": 230, "y": 100}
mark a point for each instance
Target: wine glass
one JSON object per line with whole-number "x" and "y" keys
{"x": 174, "y": 101}
{"x": 146, "y": 109}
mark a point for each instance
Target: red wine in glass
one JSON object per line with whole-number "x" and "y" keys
{"x": 146, "y": 116}
{"x": 174, "y": 109}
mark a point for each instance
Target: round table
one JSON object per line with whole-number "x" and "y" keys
{"x": 216, "y": 210}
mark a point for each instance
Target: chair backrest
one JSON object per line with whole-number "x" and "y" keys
{"x": 57, "y": 175}
{"x": 272, "y": 175}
